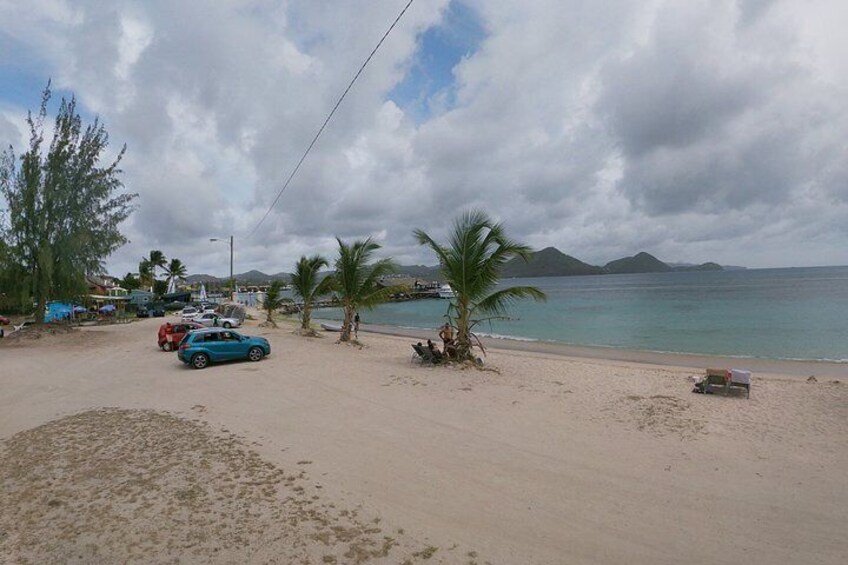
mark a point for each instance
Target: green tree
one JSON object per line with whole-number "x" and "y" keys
{"x": 160, "y": 288}
{"x": 471, "y": 263}
{"x": 273, "y": 301}
{"x": 356, "y": 280}
{"x": 145, "y": 273}
{"x": 157, "y": 259}
{"x": 64, "y": 208}
{"x": 307, "y": 286}
{"x": 129, "y": 282}
{"x": 175, "y": 269}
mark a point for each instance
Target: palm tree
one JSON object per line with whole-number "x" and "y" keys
{"x": 356, "y": 280}
{"x": 157, "y": 259}
{"x": 471, "y": 264}
{"x": 307, "y": 287}
{"x": 145, "y": 273}
{"x": 272, "y": 301}
{"x": 176, "y": 269}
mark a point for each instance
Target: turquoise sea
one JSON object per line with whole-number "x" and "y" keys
{"x": 798, "y": 313}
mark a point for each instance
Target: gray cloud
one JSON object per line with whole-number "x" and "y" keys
{"x": 601, "y": 128}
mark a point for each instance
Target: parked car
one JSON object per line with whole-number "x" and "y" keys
{"x": 189, "y": 313}
{"x": 170, "y": 335}
{"x": 157, "y": 311}
{"x": 211, "y": 345}
{"x": 207, "y": 307}
{"x": 211, "y": 319}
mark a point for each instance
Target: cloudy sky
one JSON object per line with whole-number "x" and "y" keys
{"x": 695, "y": 130}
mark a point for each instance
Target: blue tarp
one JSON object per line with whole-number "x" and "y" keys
{"x": 58, "y": 311}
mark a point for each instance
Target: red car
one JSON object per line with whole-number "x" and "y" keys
{"x": 170, "y": 334}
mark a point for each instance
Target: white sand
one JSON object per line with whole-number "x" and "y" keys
{"x": 544, "y": 459}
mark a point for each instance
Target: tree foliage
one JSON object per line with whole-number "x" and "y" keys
{"x": 471, "y": 264}
{"x": 273, "y": 301}
{"x": 307, "y": 286}
{"x": 157, "y": 259}
{"x": 129, "y": 282}
{"x": 176, "y": 269}
{"x": 145, "y": 273}
{"x": 356, "y": 279}
{"x": 64, "y": 206}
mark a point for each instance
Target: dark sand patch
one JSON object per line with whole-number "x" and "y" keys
{"x": 114, "y": 485}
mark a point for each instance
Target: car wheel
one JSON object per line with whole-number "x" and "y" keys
{"x": 227, "y": 325}
{"x": 255, "y": 354}
{"x": 200, "y": 361}
{"x": 167, "y": 346}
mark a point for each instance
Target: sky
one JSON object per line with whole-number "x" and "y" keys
{"x": 695, "y": 130}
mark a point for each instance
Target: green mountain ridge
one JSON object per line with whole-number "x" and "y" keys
{"x": 639, "y": 263}
{"x": 548, "y": 262}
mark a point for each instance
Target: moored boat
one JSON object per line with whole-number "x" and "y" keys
{"x": 445, "y": 291}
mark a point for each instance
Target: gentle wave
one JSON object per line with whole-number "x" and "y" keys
{"x": 510, "y": 337}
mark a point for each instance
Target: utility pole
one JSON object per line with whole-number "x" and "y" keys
{"x": 232, "y": 279}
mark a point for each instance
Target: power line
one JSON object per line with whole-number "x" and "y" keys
{"x": 329, "y": 116}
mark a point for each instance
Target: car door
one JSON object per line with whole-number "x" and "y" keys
{"x": 214, "y": 346}
{"x": 231, "y": 345}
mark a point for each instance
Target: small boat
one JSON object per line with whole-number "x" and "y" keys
{"x": 445, "y": 291}
{"x": 331, "y": 328}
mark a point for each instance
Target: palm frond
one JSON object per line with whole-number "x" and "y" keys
{"x": 471, "y": 263}
{"x": 499, "y": 302}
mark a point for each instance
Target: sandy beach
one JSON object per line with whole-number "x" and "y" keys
{"x": 113, "y": 451}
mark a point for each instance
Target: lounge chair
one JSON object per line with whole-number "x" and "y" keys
{"x": 740, "y": 379}
{"x": 424, "y": 355}
{"x": 726, "y": 380}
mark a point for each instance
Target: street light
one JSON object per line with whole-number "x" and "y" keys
{"x": 232, "y": 281}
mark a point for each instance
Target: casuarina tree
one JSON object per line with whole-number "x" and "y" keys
{"x": 471, "y": 264}
{"x": 64, "y": 206}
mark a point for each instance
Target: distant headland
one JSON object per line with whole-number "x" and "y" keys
{"x": 548, "y": 262}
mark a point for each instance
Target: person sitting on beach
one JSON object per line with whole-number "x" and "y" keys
{"x": 434, "y": 350}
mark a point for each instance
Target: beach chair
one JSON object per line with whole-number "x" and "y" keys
{"x": 726, "y": 380}
{"x": 424, "y": 355}
{"x": 712, "y": 377}
{"x": 741, "y": 379}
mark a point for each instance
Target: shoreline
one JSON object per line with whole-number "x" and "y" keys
{"x": 783, "y": 367}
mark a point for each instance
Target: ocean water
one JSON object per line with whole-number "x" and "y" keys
{"x": 798, "y": 313}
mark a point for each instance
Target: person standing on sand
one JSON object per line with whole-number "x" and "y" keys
{"x": 356, "y": 325}
{"x": 446, "y": 333}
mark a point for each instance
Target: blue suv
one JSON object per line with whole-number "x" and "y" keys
{"x": 200, "y": 347}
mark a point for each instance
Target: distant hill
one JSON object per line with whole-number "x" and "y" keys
{"x": 639, "y": 263}
{"x": 250, "y": 277}
{"x": 258, "y": 277}
{"x": 549, "y": 262}
{"x": 702, "y": 267}
{"x": 201, "y": 278}
{"x": 420, "y": 272}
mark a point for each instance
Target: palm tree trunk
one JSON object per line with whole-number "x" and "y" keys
{"x": 348, "y": 321}
{"x": 463, "y": 333}
{"x": 306, "y": 315}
